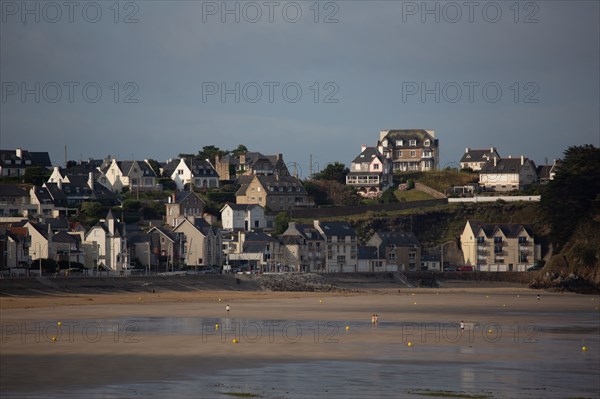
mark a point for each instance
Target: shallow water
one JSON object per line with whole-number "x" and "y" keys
{"x": 533, "y": 361}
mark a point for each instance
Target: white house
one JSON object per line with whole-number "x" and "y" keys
{"x": 135, "y": 175}
{"x": 370, "y": 172}
{"x": 508, "y": 174}
{"x": 110, "y": 237}
{"x": 243, "y": 217}
{"x": 196, "y": 172}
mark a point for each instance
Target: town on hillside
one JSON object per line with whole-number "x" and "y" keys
{"x": 244, "y": 211}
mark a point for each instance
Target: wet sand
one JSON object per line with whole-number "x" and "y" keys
{"x": 123, "y": 339}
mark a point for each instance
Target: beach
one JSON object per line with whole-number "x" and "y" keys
{"x": 296, "y": 344}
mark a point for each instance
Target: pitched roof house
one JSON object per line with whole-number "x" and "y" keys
{"x": 400, "y": 249}
{"x": 370, "y": 172}
{"x": 341, "y": 246}
{"x": 499, "y": 246}
{"x": 110, "y": 236}
{"x": 507, "y": 174}
{"x": 308, "y": 251}
{"x": 251, "y": 163}
{"x": 476, "y": 159}
{"x": 203, "y": 242}
{"x": 274, "y": 192}
{"x": 410, "y": 149}
{"x": 196, "y": 172}
{"x": 243, "y": 217}
{"x": 14, "y": 162}
{"x": 182, "y": 204}
{"x": 135, "y": 175}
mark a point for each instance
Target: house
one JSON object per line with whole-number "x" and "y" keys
{"x": 370, "y": 172}
{"x": 109, "y": 235}
{"x": 166, "y": 247}
{"x": 93, "y": 175}
{"x": 304, "y": 247}
{"x": 507, "y": 174}
{"x": 251, "y": 163}
{"x": 13, "y": 200}
{"x": 68, "y": 247}
{"x": 341, "y": 246}
{"x": 203, "y": 242}
{"x": 476, "y": 159}
{"x": 197, "y": 173}
{"x": 256, "y": 251}
{"x": 498, "y": 247}
{"x": 410, "y": 150}
{"x": 133, "y": 175}
{"x": 14, "y": 249}
{"x": 182, "y": 204}
{"x": 401, "y": 250}
{"x": 275, "y": 193}
{"x": 545, "y": 173}
{"x": 369, "y": 260}
{"x": 14, "y": 162}
{"x": 71, "y": 192}
{"x": 430, "y": 261}
{"x": 243, "y": 217}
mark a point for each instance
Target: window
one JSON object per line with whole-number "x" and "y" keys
{"x": 497, "y": 240}
{"x": 480, "y": 240}
{"x": 399, "y": 154}
{"x": 392, "y": 255}
{"x": 179, "y": 171}
{"x": 497, "y": 249}
{"x": 399, "y": 142}
{"x": 413, "y": 154}
{"x": 427, "y": 143}
{"x": 376, "y": 166}
{"x": 522, "y": 240}
{"x": 413, "y": 143}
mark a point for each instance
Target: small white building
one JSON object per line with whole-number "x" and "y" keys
{"x": 508, "y": 174}
{"x": 195, "y": 172}
{"x": 243, "y": 217}
{"x": 109, "y": 236}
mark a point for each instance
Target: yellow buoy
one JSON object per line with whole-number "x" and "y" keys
{"x": 409, "y": 344}
{"x": 217, "y": 326}
{"x": 490, "y": 331}
{"x": 235, "y": 341}
{"x": 320, "y": 301}
{"x": 347, "y": 328}
{"x": 53, "y": 338}
{"x": 59, "y": 323}
{"x": 584, "y": 348}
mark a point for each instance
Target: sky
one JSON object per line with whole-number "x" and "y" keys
{"x": 153, "y": 79}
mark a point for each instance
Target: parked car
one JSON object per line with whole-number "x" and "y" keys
{"x": 465, "y": 268}
{"x": 450, "y": 269}
{"x": 208, "y": 270}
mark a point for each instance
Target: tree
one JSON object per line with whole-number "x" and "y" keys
{"x": 336, "y": 171}
{"x": 240, "y": 150}
{"x": 281, "y": 222}
{"x": 572, "y": 194}
{"x": 388, "y": 196}
{"x": 35, "y": 175}
{"x": 155, "y": 166}
{"x": 210, "y": 152}
{"x": 317, "y": 191}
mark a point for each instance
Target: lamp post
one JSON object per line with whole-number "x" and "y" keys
{"x": 442, "y": 253}
{"x": 148, "y": 267}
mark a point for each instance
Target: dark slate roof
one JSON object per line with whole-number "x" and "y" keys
{"x": 397, "y": 238}
{"x": 181, "y": 196}
{"x": 510, "y": 230}
{"x": 241, "y": 207}
{"x": 505, "y": 165}
{"x": 543, "y": 171}
{"x": 205, "y": 227}
{"x": 12, "y": 190}
{"x": 84, "y": 167}
{"x": 291, "y": 240}
{"x": 172, "y": 236}
{"x": 281, "y": 185}
{"x": 258, "y": 237}
{"x": 337, "y": 229}
{"x": 65, "y": 238}
{"x": 367, "y": 252}
{"x": 200, "y": 167}
{"x": 368, "y": 155}
{"x": 479, "y": 155}
{"x": 41, "y": 159}
{"x": 419, "y": 135}
{"x": 309, "y": 232}
{"x": 57, "y": 224}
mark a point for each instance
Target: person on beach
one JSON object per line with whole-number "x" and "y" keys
{"x": 376, "y": 318}
{"x": 373, "y": 318}
{"x": 227, "y": 308}
{"x": 462, "y": 326}
{"x": 538, "y": 297}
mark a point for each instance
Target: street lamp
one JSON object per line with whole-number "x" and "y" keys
{"x": 442, "y": 253}
{"x": 148, "y": 267}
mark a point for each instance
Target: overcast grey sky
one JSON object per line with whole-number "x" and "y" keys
{"x": 176, "y": 76}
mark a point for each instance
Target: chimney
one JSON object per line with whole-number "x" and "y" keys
{"x": 279, "y": 157}
{"x": 59, "y": 184}
{"x": 291, "y": 225}
{"x": 19, "y": 153}
{"x": 467, "y": 150}
{"x": 492, "y": 149}
{"x": 522, "y": 160}
{"x": 363, "y": 147}
{"x": 242, "y": 159}
{"x": 55, "y": 169}
{"x": 173, "y": 198}
{"x": 494, "y": 161}
{"x": 91, "y": 180}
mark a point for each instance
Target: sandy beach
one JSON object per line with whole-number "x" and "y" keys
{"x": 513, "y": 345}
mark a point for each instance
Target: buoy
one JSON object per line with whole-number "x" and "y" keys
{"x": 217, "y": 326}
{"x": 409, "y": 344}
{"x": 490, "y": 331}
{"x": 235, "y": 341}
{"x": 59, "y": 323}
{"x": 320, "y": 301}
{"x": 584, "y": 348}
{"x": 347, "y": 328}
{"x": 219, "y": 299}
{"x": 414, "y": 303}
{"x": 54, "y": 339}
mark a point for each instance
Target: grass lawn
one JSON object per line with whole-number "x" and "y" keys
{"x": 412, "y": 195}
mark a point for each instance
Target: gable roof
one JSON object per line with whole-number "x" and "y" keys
{"x": 420, "y": 135}
{"x": 479, "y": 155}
{"x": 399, "y": 238}
{"x": 510, "y": 230}
{"x": 368, "y": 155}
{"x": 201, "y": 167}
{"x": 337, "y": 229}
{"x": 505, "y": 165}
{"x": 308, "y": 231}
{"x": 273, "y": 185}
{"x": 368, "y": 252}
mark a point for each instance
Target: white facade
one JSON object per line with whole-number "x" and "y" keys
{"x": 243, "y": 217}
{"x": 183, "y": 175}
{"x": 111, "y": 245}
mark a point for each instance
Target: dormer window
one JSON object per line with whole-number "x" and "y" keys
{"x": 427, "y": 143}
{"x": 413, "y": 143}
{"x": 399, "y": 142}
